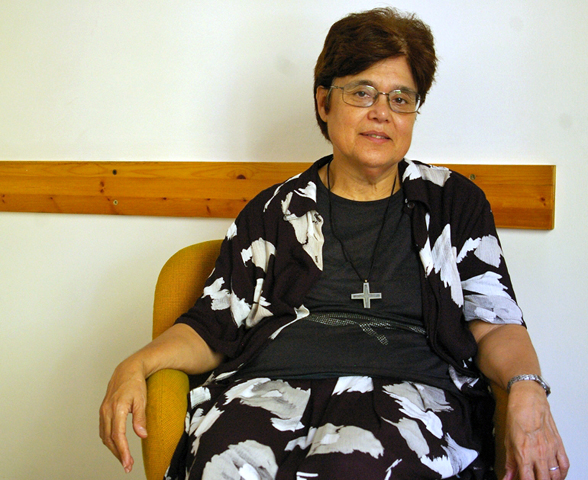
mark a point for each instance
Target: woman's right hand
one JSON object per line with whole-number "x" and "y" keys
{"x": 178, "y": 348}
{"x": 126, "y": 394}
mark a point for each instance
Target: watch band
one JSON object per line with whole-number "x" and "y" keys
{"x": 535, "y": 378}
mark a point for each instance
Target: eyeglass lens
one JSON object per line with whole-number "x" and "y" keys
{"x": 402, "y": 101}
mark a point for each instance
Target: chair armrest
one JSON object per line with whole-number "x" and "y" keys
{"x": 167, "y": 393}
{"x": 179, "y": 284}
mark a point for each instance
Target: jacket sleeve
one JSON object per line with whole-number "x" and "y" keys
{"x": 488, "y": 294}
{"x": 233, "y": 302}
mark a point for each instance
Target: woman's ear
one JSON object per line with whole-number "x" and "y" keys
{"x": 322, "y": 95}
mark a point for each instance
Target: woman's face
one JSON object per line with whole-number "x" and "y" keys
{"x": 370, "y": 139}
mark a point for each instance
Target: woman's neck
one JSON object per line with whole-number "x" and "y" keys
{"x": 359, "y": 186}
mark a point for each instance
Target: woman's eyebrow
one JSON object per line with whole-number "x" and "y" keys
{"x": 363, "y": 82}
{"x": 402, "y": 88}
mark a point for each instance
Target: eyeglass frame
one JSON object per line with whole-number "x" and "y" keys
{"x": 378, "y": 93}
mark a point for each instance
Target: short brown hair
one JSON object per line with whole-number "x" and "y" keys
{"x": 360, "y": 40}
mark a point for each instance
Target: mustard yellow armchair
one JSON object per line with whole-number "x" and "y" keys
{"x": 180, "y": 283}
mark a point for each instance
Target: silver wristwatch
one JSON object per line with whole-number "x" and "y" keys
{"x": 535, "y": 378}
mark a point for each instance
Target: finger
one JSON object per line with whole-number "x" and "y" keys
{"x": 510, "y": 474}
{"x": 527, "y": 472}
{"x": 140, "y": 420}
{"x": 561, "y": 456}
{"x": 510, "y": 467}
{"x": 524, "y": 468}
{"x": 119, "y": 437}
{"x": 558, "y": 468}
{"x": 563, "y": 462}
{"x": 555, "y": 473}
{"x": 105, "y": 430}
{"x": 559, "y": 465}
{"x": 542, "y": 468}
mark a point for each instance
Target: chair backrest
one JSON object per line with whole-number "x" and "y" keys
{"x": 180, "y": 283}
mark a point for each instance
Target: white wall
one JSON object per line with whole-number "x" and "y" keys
{"x": 232, "y": 80}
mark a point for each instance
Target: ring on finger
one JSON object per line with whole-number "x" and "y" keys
{"x": 553, "y": 469}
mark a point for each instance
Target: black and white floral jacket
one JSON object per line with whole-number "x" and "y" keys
{"x": 272, "y": 256}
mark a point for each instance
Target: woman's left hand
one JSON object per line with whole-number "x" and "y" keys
{"x": 534, "y": 448}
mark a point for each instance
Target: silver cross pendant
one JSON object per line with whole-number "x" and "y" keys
{"x": 366, "y": 296}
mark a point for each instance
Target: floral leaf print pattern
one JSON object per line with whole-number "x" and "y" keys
{"x": 278, "y": 189}
{"x": 232, "y": 231}
{"x": 422, "y": 403}
{"x": 302, "y": 442}
{"x": 305, "y": 476}
{"x": 307, "y": 227}
{"x": 201, "y": 423}
{"x": 220, "y": 297}
{"x": 259, "y": 310}
{"x": 456, "y": 460}
{"x": 493, "y": 304}
{"x": 301, "y": 312}
{"x": 223, "y": 299}
{"x": 486, "y": 249}
{"x": 353, "y": 384}
{"x": 443, "y": 258}
{"x": 488, "y": 300}
{"x": 320, "y": 430}
{"x": 248, "y": 460}
{"x": 259, "y": 252}
{"x": 285, "y": 403}
{"x": 345, "y": 439}
{"x": 338, "y": 439}
{"x": 436, "y": 175}
{"x": 197, "y": 396}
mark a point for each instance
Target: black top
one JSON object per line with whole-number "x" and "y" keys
{"x": 396, "y": 264}
{"x": 341, "y": 337}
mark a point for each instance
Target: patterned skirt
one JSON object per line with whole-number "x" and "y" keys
{"x": 339, "y": 428}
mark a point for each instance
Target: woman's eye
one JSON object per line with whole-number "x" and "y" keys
{"x": 362, "y": 93}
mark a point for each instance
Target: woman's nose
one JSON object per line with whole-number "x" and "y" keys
{"x": 380, "y": 110}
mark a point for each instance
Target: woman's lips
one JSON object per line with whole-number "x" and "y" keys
{"x": 376, "y": 135}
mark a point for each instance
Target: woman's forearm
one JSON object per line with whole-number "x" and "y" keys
{"x": 504, "y": 351}
{"x": 178, "y": 348}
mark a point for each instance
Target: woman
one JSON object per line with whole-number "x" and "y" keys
{"x": 356, "y": 310}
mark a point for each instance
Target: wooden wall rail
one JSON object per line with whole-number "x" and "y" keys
{"x": 522, "y": 196}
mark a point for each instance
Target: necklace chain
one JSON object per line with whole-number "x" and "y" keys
{"x": 366, "y": 295}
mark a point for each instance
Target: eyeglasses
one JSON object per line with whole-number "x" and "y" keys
{"x": 361, "y": 95}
